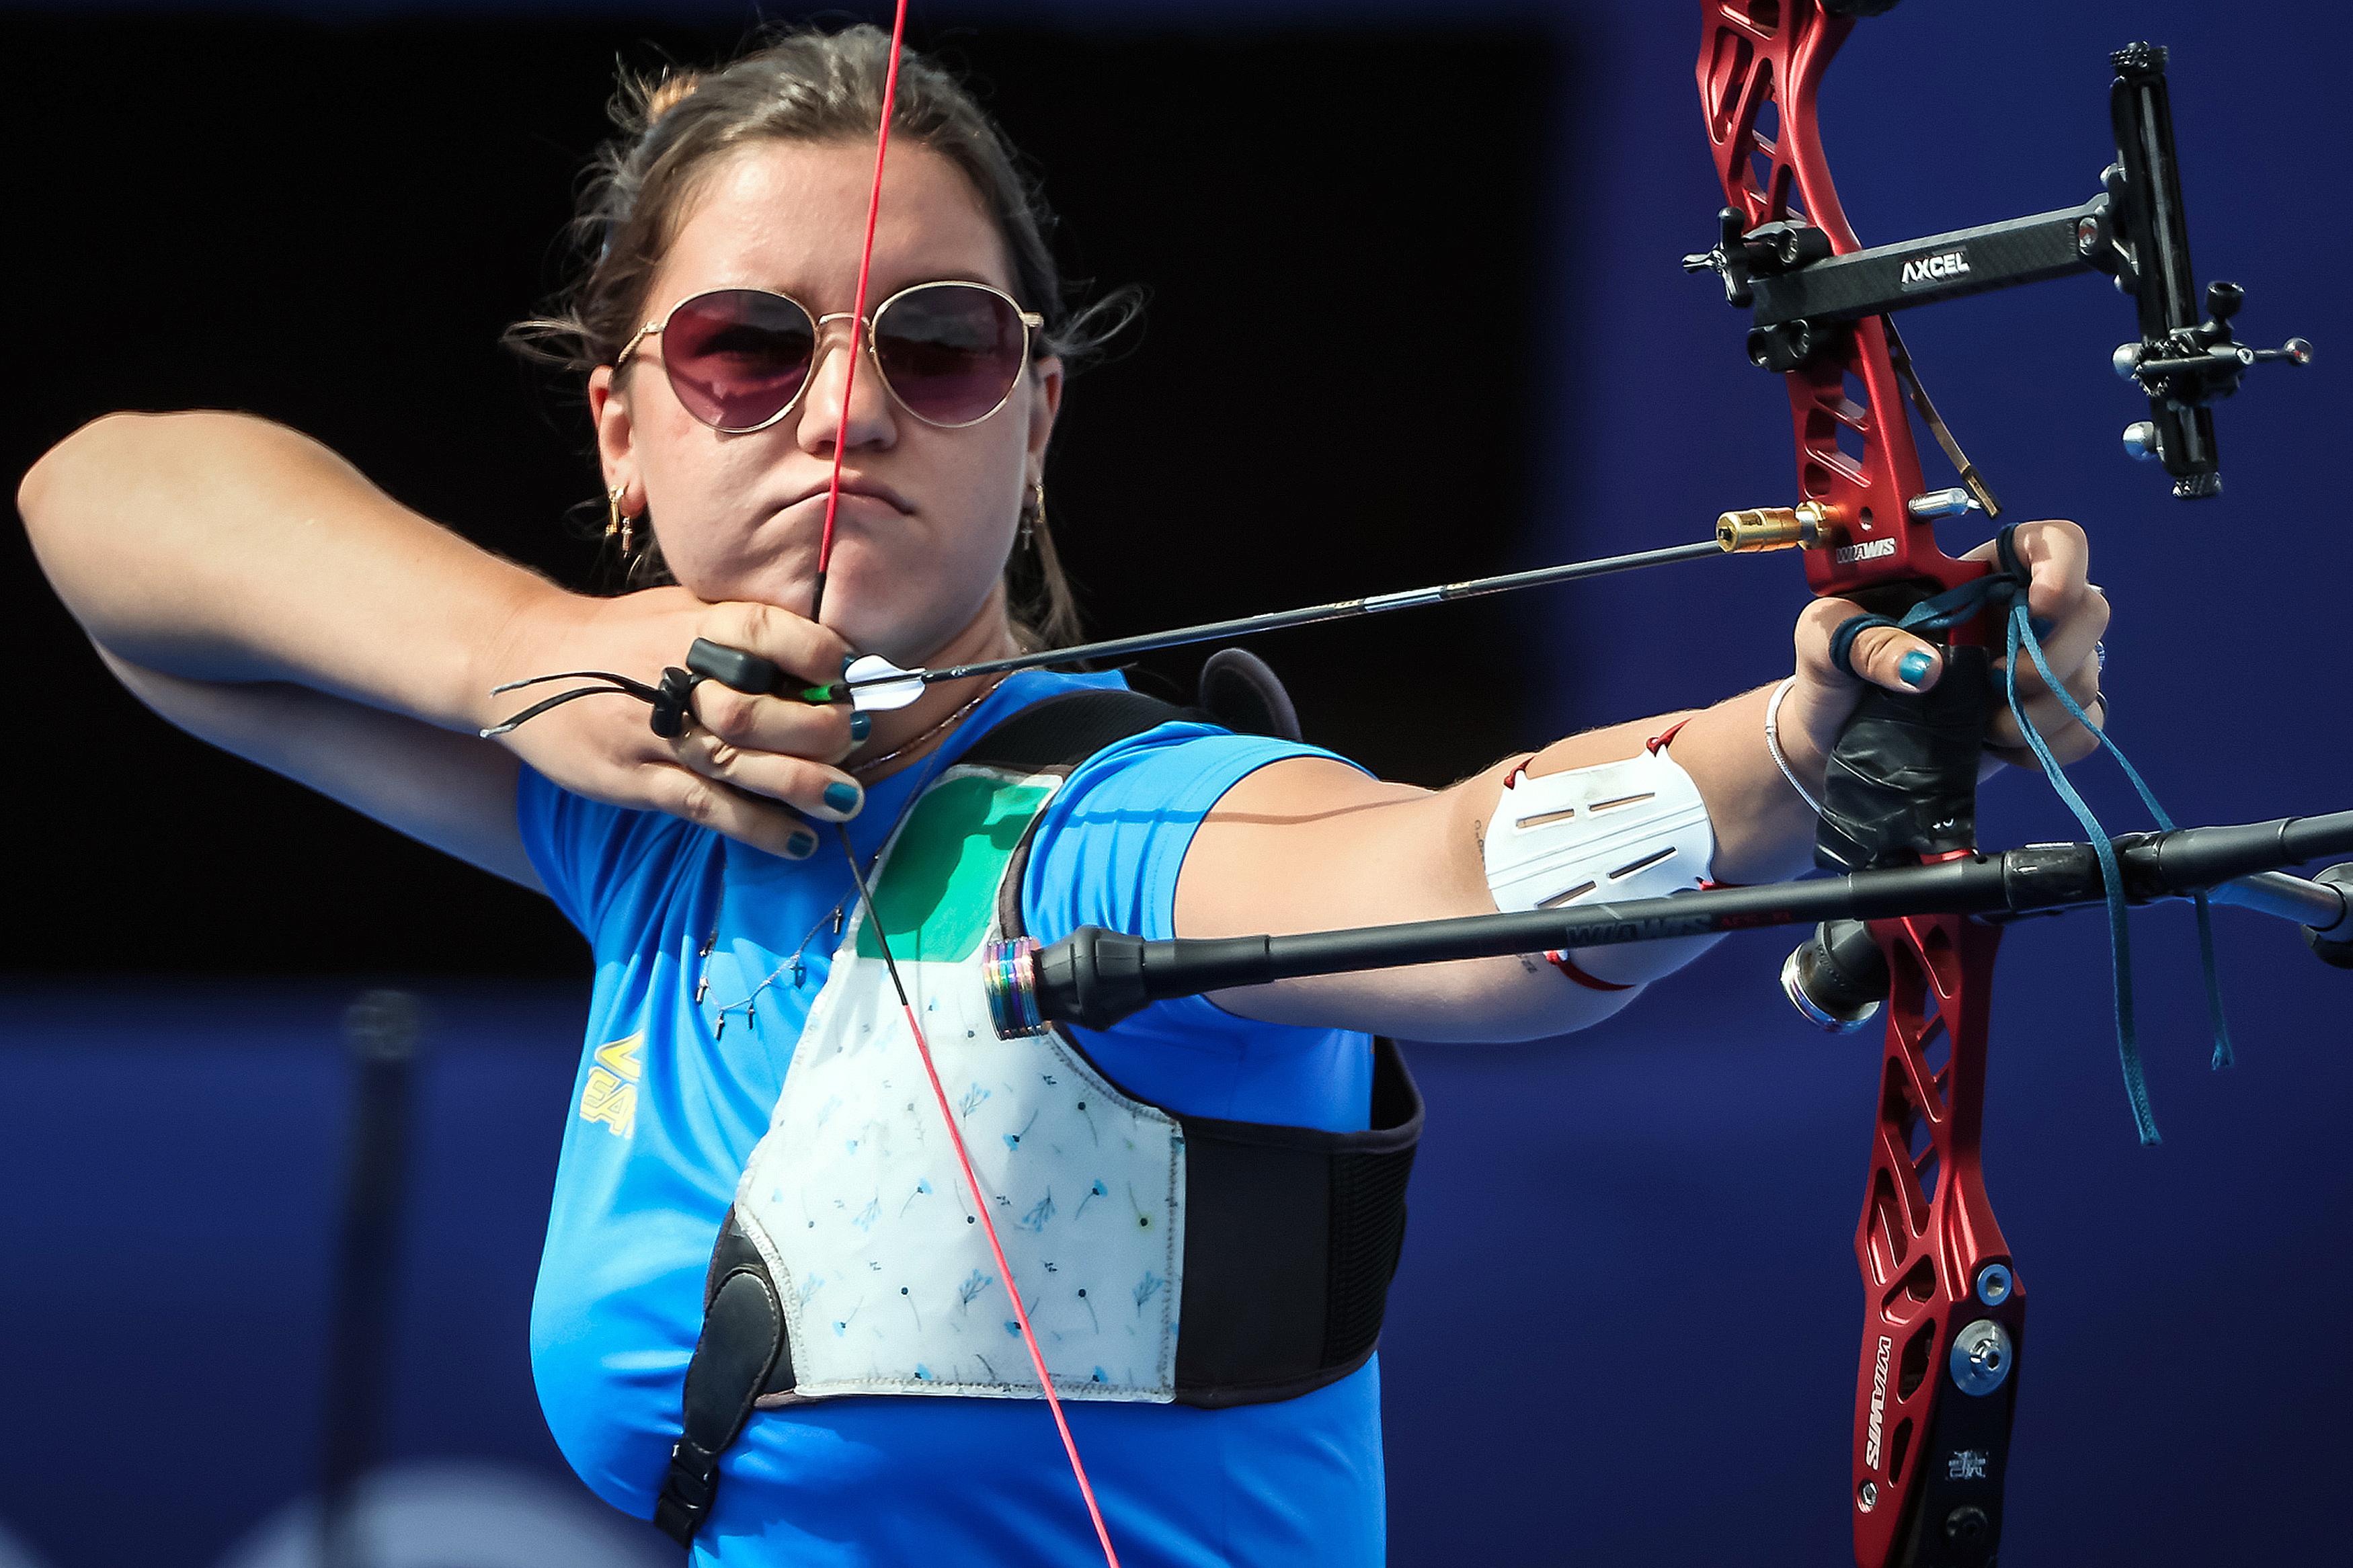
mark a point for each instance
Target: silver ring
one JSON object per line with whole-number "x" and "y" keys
{"x": 2100, "y": 654}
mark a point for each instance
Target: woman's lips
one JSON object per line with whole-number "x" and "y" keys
{"x": 860, "y": 489}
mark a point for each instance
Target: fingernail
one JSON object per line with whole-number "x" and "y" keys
{"x": 844, "y": 798}
{"x": 861, "y": 725}
{"x": 847, "y": 660}
{"x": 2041, "y": 625}
{"x": 1913, "y": 667}
{"x": 801, "y": 844}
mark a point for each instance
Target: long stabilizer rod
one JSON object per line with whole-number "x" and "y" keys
{"x": 1094, "y": 978}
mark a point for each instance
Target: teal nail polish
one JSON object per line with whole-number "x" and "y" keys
{"x": 843, "y": 797}
{"x": 2041, "y": 625}
{"x": 1913, "y": 667}
{"x": 801, "y": 844}
{"x": 861, "y": 725}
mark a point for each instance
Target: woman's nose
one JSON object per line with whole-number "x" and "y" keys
{"x": 844, "y": 368}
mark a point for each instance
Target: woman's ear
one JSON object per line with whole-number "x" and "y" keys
{"x": 608, "y": 410}
{"x": 1046, "y": 374}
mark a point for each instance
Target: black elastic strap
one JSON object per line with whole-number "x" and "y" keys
{"x": 1291, "y": 1237}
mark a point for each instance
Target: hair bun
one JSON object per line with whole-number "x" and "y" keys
{"x": 670, "y": 92}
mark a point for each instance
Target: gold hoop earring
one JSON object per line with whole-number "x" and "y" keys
{"x": 615, "y": 522}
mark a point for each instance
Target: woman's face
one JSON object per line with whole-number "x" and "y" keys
{"x": 927, "y": 515}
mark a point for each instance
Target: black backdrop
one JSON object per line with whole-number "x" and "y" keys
{"x": 329, "y": 225}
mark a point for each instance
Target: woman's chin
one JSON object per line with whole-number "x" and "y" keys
{"x": 871, "y": 604}
{"x": 886, "y": 620}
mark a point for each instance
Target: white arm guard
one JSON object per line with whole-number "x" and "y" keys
{"x": 1630, "y": 829}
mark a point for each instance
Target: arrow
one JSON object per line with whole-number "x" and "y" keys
{"x": 873, "y": 684}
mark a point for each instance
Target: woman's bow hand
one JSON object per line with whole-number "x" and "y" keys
{"x": 2070, "y": 615}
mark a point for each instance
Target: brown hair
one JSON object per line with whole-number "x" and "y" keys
{"x": 803, "y": 85}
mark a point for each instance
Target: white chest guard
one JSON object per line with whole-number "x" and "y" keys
{"x": 1162, "y": 1256}
{"x": 854, "y": 1197}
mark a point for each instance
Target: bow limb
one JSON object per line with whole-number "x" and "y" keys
{"x": 1943, "y": 1312}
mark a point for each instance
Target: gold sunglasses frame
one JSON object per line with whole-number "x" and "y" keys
{"x": 1031, "y": 323}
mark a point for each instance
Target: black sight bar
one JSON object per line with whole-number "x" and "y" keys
{"x": 1094, "y": 978}
{"x": 1802, "y": 296}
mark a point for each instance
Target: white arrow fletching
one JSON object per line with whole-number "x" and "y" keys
{"x": 885, "y": 694}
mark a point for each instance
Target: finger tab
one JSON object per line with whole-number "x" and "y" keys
{"x": 733, "y": 666}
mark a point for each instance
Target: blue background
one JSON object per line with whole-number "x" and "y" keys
{"x": 1624, "y": 1329}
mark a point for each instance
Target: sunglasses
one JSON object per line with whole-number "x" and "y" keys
{"x": 738, "y": 359}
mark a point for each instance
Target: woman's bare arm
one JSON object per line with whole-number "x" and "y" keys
{"x": 221, "y": 547}
{"x": 256, "y": 589}
{"x": 1312, "y": 844}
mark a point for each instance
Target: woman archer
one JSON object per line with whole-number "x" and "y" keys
{"x": 255, "y": 590}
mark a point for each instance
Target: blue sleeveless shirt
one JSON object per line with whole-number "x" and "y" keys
{"x": 666, "y": 1109}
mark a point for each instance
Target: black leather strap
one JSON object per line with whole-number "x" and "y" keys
{"x": 743, "y": 1342}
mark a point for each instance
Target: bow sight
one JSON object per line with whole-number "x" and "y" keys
{"x": 1802, "y": 297}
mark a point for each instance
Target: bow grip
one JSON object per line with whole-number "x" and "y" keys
{"x": 1902, "y": 785}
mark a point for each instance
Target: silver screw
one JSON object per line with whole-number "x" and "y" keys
{"x": 1868, "y": 1496}
{"x": 1941, "y": 503}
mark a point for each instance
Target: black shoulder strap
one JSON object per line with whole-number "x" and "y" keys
{"x": 1236, "y": 690}
{"x": 1242, "y": 693}
{"x": 1062, "y": 732}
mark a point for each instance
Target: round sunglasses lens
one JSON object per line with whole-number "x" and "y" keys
{"x": 951, "y": 352}
{"x": 737, "y": 357}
